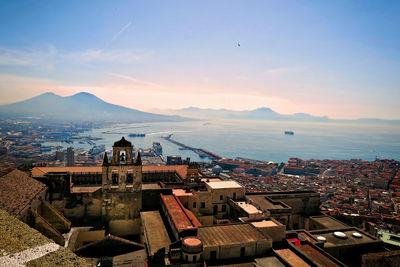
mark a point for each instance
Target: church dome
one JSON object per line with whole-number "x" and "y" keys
{"x": 330, "y": 173}
{"x": 122, "y": 143}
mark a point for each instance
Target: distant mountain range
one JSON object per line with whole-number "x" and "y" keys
{"x": 79, "y": 107}
{"x": 265, "y": 114}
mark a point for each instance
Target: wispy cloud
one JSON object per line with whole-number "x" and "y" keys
{"x": 124, "y": 56}
{"x": 43, "y": 58}
{"x": 46, "y": 58}
{"x": 119, "y": 33}
{"x": 275, "y": 71}
{"x": 133, "y": 79}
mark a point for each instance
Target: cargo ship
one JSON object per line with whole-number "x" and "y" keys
{"x": 137, "y": 135}
{"x": 289, "y": 132}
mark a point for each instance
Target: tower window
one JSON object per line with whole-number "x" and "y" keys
{"x": 194, "y": 205}
{"x": 114, "y": 177}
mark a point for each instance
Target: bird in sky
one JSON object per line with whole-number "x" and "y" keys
{"x": 238, "y": 44}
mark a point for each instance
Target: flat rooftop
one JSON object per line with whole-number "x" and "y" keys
{"x": 248, "y": 208}
{"x": 178, "y": 213}
{"x": 181, "y": 192}
{"x": 266, "y": 204}
{"x": 218, "y": 235}
{"x": 151, "y": 186}
{"x": 84, "y": 189}
{"x": 332, "y": 241}
{"x": 155, "y": 232}
{"x": 264, "y": 223}
{"x": 223, "y": 184}
{"x": 329, "y": 222}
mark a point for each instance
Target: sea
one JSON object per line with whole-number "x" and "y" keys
{"x": 261, "y": 140}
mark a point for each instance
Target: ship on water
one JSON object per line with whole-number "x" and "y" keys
{"x": 289, "y": 132}
{"x": 157, "y": 148}
{"x": 137, "y": 135}
{"x": 97, "y": 150}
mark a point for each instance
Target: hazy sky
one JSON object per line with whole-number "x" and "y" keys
{"x": 334, "y": 58}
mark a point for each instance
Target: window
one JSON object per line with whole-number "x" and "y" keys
{"x": 242, "y": 251}
{"x": 223, "y": 207}
{"x": 213, "y": 255}
{"x": 234, "y": 195}
{"x": 194, "y": 205}
{"x": 129, "y": 177}
{"x": 194, "y": 258}
{"x": 215, "y": 209}
{"x": 221, "y": 197}
{"x": 202, "y": 205}
{"x": 114, "y": 177}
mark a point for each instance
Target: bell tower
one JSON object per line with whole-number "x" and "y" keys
{"x": 123, "y": 173}
{"x": 121, "y": 187}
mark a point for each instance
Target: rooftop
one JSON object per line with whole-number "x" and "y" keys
{"x": 264, "y": 223}
{"x": 178, "y": 213}
{"x": 248, "y": 208}
{"x": 223, "y": 184}
{"x": 217, "y": 235}
{"x": 265, "y": 203}
{"x": 21, "y": 244}
{"x": 42, "y": 171}
{"x": 291, "y": 258}
{"x": 333, "y": 241}
{"x": 155, "y": 233}
{"x": 17, "y": 190}
{"x": 328, "y": 222}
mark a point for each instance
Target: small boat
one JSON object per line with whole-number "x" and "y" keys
{"x": 289, "y": 132}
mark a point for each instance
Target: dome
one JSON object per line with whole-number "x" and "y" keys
{"x": 330, "y": 173}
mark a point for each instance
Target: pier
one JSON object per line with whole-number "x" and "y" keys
{"x": 199, "y": 151}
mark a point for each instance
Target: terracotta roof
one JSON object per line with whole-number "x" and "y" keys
{"x": 180, "y": 169}
{"x": 41, "y": 171}
{"x": 179, "y": 216}
{"x": 17, "y": 190}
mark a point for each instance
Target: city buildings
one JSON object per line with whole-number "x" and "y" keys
{"x": 174, "y": 215}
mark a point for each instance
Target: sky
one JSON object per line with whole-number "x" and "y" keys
{"x": 333, "y": 58}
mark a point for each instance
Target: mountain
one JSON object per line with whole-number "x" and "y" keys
{"x": 79, "y": 107}
{"x": 266, "y": 114}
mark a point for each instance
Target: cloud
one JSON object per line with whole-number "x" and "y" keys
{"x": 42, "y": 58}
{"x": 275, "y": 71}
{"x": 119, "y": 33}
{"x": 133, "y": 79}
{"x": 47, "y": 58}
{"x": 124, "y": 56}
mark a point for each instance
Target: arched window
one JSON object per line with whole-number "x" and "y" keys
{"x": 129, "y": 176}
{"x": 114, "y": 177}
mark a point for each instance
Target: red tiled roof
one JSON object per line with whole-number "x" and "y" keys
{"x": 178, "y": 214}
{"x": 17, "y": 190}
{"x": 41, "y": 171}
